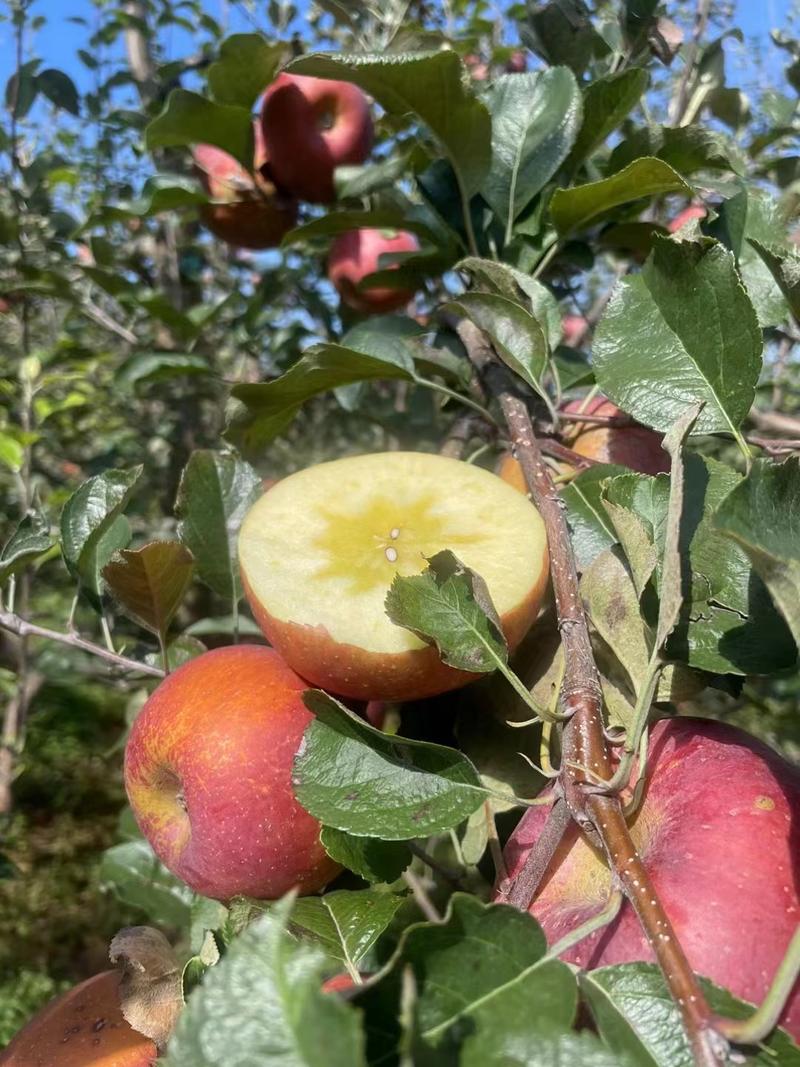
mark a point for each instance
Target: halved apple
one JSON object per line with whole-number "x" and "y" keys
{"x": 319, "y": 551}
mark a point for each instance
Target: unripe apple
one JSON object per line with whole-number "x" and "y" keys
{"x": 247, "y": 214}
{"x": 312, "y": 126}
{"x": 208, "y": 771}
{"x": 357, "y": 253}
{"x": 84, "y": 1027}
{"x": 319, "y": 551}
{"x": 693, "y": 211}
{"x": 717, "y": 832}
{"x": 635, "y": 446}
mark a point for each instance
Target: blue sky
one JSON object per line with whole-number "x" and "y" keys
{"x": 58, "y": 40}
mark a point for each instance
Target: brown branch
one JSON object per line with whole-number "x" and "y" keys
{"x": 17, "y": 625}
{"x": 555, "y": 449}
{"x": 774, "y": 444}
{"x": 599, "y": 420}
{"x": 775, "y": 422}
{"x": 585, "y": 754}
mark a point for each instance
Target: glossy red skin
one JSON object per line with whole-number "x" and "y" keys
{"x": 83, "y": 1027}
{"x": 311, "y": 126}
{"x": 693, "y": 211}
{"x": 256, "y": 223}
{"x": 224, "y": 728}
{"x": 636, "y": 447}
{"x": 354, "y": 255}
{"x": 718, "y": 832}
{"x": 350, "y": 671}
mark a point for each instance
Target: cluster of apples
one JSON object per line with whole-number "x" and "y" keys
{"x": 306, "y": 128}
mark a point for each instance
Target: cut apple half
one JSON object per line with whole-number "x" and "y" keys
{"x": 320, "y": 550}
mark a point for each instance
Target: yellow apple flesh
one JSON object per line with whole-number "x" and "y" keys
{"x": 319, "y": 552}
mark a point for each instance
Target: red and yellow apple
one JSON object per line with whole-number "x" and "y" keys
{"x": 320, "y": 550}
{"x": 357, "y": 253}
{"x": 247, "y": 212}
{"x": 693, "y": 211}
{"x": 717, "y": 831}
{"x": 312, "y": 126}
{"x": 635, "y": 446}
{"x": 83, "y": 1027}
{"x": 208, "y": 772}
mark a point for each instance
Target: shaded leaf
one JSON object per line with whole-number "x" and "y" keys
{"x": 522, "y": 288}
{"x": 606, "y": 102}
{"x": 368, "y": 857}
{"x": 346, "y": 923}
{"x": 150, "y": 582}
{"x": 371, "y": 784}
{"x": 784, "y": 266}
{"x": 141, "y": 881}
{"x": 189, "y": 118}
{"x": 89, "y": 515}
{"x": 247, "y": 64}
{"x": 59, "y": 89}
{"x": 29, "y": 540}
{"x": 159, "y": 366}
{"x": 215, "y": 493}
{"x": 591, "y": 530}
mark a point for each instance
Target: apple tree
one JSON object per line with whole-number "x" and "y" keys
{"x": 401, "y": 428}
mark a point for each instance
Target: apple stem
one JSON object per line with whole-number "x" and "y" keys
{"x": 753, "y": 1030}
{"x": 495, "y": 848}
{"x": 16, "y": 625}
{"x": 585, "y": 752}
{"x": 597, "y": 922}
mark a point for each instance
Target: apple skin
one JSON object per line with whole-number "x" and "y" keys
{"x": 208, "y": 768}
{"x": 311, "y": 126}
{"x": 637, "y": 447}
{"x": 354, "y": 255}
{"x": 574, "y": 329}
{"x": 510, "y": 470}
{"x": 693, "y": 211}
{"x": 717, "y": 831}
{"x": 249, "y": 213}
{"x": 478, "y": 70}
{"x": 517, "y": 63}
{"x": 372, "y": 676}
{"x": 83, "y": 1027}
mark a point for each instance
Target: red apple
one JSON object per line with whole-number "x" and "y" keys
{"x": 83, "y": 1027}
{"x": 247, "y": 213}
{"x": 320, "y": 550}
{"x": 208, "y": 769}
{"x": 574, "y": 329}
{"x": 717, "y": 831}
{"x": 478, "y": 70}
{"x": 311, "y": 126}
{"x": 357, "y": 253}
{"x": 693, "y": 211}
{"x": 635, "y": 446}
{"x": 517, "y": 63}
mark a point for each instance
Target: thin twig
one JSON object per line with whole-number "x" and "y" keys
{"x": 586, "y": 760}
{"x": 17, "y": 625}
{"x": 680, "y": 100}
{"x": 424, "y": 902}
{"x": 99, "y": 316}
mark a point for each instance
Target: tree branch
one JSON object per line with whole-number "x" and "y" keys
{"x": 17, "y": 625}
{"x": 585, "y": 755}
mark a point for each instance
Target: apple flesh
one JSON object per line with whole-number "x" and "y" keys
{"x": 635, "y": 446}
{"x": 83, "y": 1027}
{"x": 311, "y": 126}
{"x": 357, "y": 253}
{"x": 208, "y": 769}
{"x": 247, "y": 212}
{"x": 717, "y": 831}
{"x": 319, "y": 551}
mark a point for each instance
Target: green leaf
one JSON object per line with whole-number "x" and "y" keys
{"x": 346, "y": 923}
{"x": 636, "y": 505}
{"x": 89, "y": 515}
{"x": 262, "y": 1004}
{"x": 762, "y": 516}
{"x": 562, "y": 31}
{"x": 703, "y": 340}
{"x": 30, "y": 539}
{"x": 573, "y": 209}
{"x": 784, "y": 266}
{"x": 606, "y": 103}
{"x": 150, "y": 582}
{"x": 516, "y": 335}
{"x": 189, "y": 119}
{"x": 59, "y": 89}
{"x": 141, "y": 881}
{"x": 430, "y": 86}
{"x": 637, "y": 1017}
{"x": 369, "y": 858}
{"x": 686, "y": 148}
{"x": 522, "y": 288}
{"x": 591, "y": 530}
{"x": 179, "y": 651}
{"x": 12, "y": 452}
{"x": 535, "y": 119}
{"x": 371, "y": 784}
{"x": 247, "y": 64}
{"x": 269, "y": 407}
{"x": 147, "y": 367}
{"x": 390, "y": 217}
{"x": 449, "y": 605}
{"x": 484, "y": 982}
{"x": 215, "y": 493}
